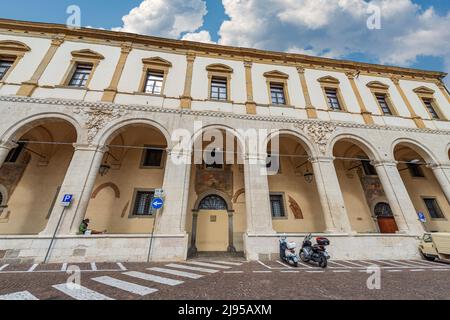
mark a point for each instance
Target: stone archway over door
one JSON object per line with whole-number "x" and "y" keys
{"x": 212, "y": 225}
{"x": 385, "y": 218}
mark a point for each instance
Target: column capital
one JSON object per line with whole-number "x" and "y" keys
{"x": 58, "y": 40}
{"x": 350, "y": 74}
{"x": 126, "y": 47}
{"x": 301, "y": 69}
{"x": 7, "y": 144}
{"x": 190, "y": 56}
{"x": 435, "y": 165}
{"x": 248, "y": 63}
{"x": 90, "y": 147}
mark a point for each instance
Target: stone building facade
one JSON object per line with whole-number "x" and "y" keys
{"x": 95, "y": 113}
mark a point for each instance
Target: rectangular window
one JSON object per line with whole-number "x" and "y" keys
{"x": 415, "y": 170}
{"x": 277, "y": 93}
{"x": 433, "y": 208}
{"x": 152, "y": 158}
{"x": 14, "y": 154}
{"x": 333, "y": 99}
{"x": 142, "y": 203}
{"x": 369, "y": 169}
{"x": 382, "y": 101}
{"x": 429, "y": 105}
{"x": 219, "y": 88}
{"x": 81, "y": 75}
{"x": 5, "y": 65}
{"x": 154, "y": 82}
{"x": 277, "y": 206}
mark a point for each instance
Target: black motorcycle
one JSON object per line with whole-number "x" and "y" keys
{"x": 315, "y": 252}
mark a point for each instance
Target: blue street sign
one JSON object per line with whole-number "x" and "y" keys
{"x": 157, "y": 203}
{"x": 67, "y": 200}
{"x": 422, "y": 217}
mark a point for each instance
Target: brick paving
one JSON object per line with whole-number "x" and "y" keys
{"x": 231, "y": 279}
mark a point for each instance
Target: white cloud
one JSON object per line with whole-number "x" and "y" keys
{"x": 337, "y": 28}
{"x": 201, "y": 36}
{"x": 165, "y": 18}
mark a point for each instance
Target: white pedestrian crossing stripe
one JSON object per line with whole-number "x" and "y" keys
{"x": 207, "y": 264}
{"x": 229, "y": 263}
{"x": 126, "y": 286}
{"x": 182, "y": 266}
{"x": 34, "y": 266}
{"x": 177, "y": 273}
{"x": 3, "y": 267}
{"x": 79, "y": 292}
{"x": 151, "y": 277}
{"x": 23, "y": 295}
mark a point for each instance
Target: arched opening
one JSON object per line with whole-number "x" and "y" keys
{"x": 216, "y": 217}
{"x": 132, "y": 169}
{"x": 361, "y": 188}
{"x": 294, "y": 198}
{"x": 423, "y": 188}
{"x": 32, "y": 174}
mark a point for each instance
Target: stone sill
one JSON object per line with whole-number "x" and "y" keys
{"x": 336, "y": 235}
{"x": 82, "y": 237}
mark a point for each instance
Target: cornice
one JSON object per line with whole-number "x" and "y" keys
{"x": 217, "y": 114}
{"x": 204, "y": 48}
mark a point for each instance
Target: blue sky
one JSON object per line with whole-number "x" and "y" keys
{"x": 108, "y": 14}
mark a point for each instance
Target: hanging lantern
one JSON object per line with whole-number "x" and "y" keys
{"x": 103, "y": 170}
{"x": 308, "y": 176}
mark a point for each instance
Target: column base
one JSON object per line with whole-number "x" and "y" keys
{"x": 251, "y": 107}
{"x": 186, "y": 102}
{"x": 27, "y": 89}
{"x": 109, "y": 95}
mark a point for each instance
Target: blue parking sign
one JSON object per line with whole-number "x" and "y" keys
{"x": 422, "y": 217}
{"x": 157, "y": 203}
{"x": 67, "y": 200}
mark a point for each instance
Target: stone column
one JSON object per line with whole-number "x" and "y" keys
{"x": 172, "y": 218}
{"x": 442, "y": 174}
{"x": 259, "y": 214}
{"x": 110, "y": 92}
{"x": 417, "y": 120}
{"x": 398, "y": 197}
{"x": 79, "y": 181}
{"x": 331, "y": 199}
{"x": 5, "y": 148}
{"x": 186, "y": 98}
{"x": 367, "y": 116}
{"x": 250, "y": 103}
{"x": 310, "y": 110}
{"x": 27, "y": 88}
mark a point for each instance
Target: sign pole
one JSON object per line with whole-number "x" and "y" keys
{"x": 54, "y": 235}
{"x": 66, "y": 202}
{"x": 156, "y": 204}
{"x": 151, "y": 237}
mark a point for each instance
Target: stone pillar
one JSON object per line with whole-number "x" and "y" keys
{"x": 398, "y": 197}
{"x": 250, "y": 103}
{"x": 259, "y": 214}
{"x": 442, "y": 174}
{"x": 27, "y": 88}
{"x": 367, "y": 116}
{"x": 417, "y": 120}
{"x": 79, "y": 181}
{"x": 111, "y": 91}
{"x": 310, "y": 110}
{"x": 186, "y": 98}
{"x": 5, "y": 148}
{"x": 172, "y": 218}
{"x": 171, "y": 238}
{"x": 331, "y": 199}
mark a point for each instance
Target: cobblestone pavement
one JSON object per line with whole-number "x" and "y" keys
{"x": 225, "y": 279}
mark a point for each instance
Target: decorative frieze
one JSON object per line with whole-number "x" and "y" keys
{"x": 319, "y": 133}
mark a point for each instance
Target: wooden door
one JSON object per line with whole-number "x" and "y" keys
{"x": 387, "y": 225}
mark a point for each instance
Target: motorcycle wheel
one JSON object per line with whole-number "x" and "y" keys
{"x": 303, "y": 257}
{"x": 323, "y": 262}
